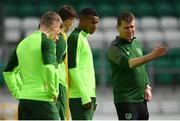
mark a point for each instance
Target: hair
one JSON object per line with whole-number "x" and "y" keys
{"x": 125, "y": 16}
{"x": 48, "y": 18}
{"x": 88, "y": 12}
{"x": 67, "y": 12}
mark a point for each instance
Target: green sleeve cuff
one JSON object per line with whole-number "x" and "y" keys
{"x": 85, "y": 99}
{"x": 51, "y": 80}
{"x": 11, "y": 82}
{"x": 78, "y": 83}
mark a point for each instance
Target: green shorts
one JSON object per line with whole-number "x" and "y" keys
{"x": 37, "y": 110}
{"x": 77, "y": 110}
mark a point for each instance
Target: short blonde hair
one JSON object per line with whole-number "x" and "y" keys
{"x": 49, "y": 18}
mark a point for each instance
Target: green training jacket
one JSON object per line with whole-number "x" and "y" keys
{"x": 81, "y": 68}
{"x": 36, "y": 60}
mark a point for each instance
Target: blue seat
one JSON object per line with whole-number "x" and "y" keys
{"x": 1, "y": 75}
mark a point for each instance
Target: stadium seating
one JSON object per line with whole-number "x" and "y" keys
{"x": 145, "y": 9}
{"x": 30, "y": 24}
{"x": 122, "y": 7}
{"x": 12, "y": 29}
{"x": 12, "y": 36}
{"x": 149, "y": 22}
{"x": 96, "y": 40}
{"x": 171, "y": 37}
{"x": 177, "y": 9}
{"x": 140, "y": 8}
{"x": 137, "y": 24}
{"x": 79, "y": 7}
{"x": 168, "y": 22}
{"x": 140, "y": 35}
{"x": 157, "y": 21}
{"x": 105, "y": 9}
{"x": 153, "y": 37}
{"x": 1, "y": 70}
{"x": 164, "y": 9}
{"x": 109, "y": 36}
{"x": 12, "y": 23}
{"x": 161, "y": 65}
{"x": 108, "y": 23}
{"x": 27, "y": 9}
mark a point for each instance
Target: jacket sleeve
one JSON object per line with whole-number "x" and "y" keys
{"x": 49, "y": 60}
{"x": 76, "y": 80}
{"x": 11, "y": 76}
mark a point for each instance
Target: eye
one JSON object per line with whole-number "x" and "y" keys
{"x": 132, "y": 26}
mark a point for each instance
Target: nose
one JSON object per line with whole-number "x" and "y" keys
{"x": 130, "y": 29}
{"x": 96, "y": 25}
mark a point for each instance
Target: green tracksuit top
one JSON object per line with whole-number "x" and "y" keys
{"x": 81, "y": 68}
{"x": 35, "y": 57}
{"x": 61, "y": 48}
{"x": 128, "y": 83}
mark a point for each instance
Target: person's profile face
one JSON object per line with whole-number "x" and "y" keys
{"x": 91, "y": 24}
{"x": 127, "y": 30}
{"x": 68, "y": 24}
{"x": 56, "y": 29}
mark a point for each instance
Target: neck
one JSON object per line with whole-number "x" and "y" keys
{"x": 125, "y": 40}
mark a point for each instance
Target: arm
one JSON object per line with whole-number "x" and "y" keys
{"x": 49, "y": 60}
{"x": 157, "y": 52}
{"x": 60, "y": 48}
{"x": 10, "y": 75}
{"x": 76, "y": 80}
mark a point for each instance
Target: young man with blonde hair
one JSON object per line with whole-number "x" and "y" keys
{"x": 36, "y": 59}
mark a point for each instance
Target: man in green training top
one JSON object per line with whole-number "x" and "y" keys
{"x": 36, "y": 59}
{"x": 131, "y": 88}
{"x": 68, "y": 15}
{"x": 82, "y": 88}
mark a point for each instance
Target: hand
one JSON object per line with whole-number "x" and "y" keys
{"x": 88, "y": 105}
{"x": 148, "y": 94}
{"x": 53, "y": 36}
{"x": 159, "y": 50}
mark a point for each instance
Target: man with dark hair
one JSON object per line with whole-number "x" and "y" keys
{"x": 131, "y": 88}
{"x": 82, "y": 88}
{"x": 35, "y": 57}
{"x": 68, "y": 15}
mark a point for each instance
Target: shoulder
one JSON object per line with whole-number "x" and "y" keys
{"x": 74, "y": 37}
{"x": 75, "y": 32}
